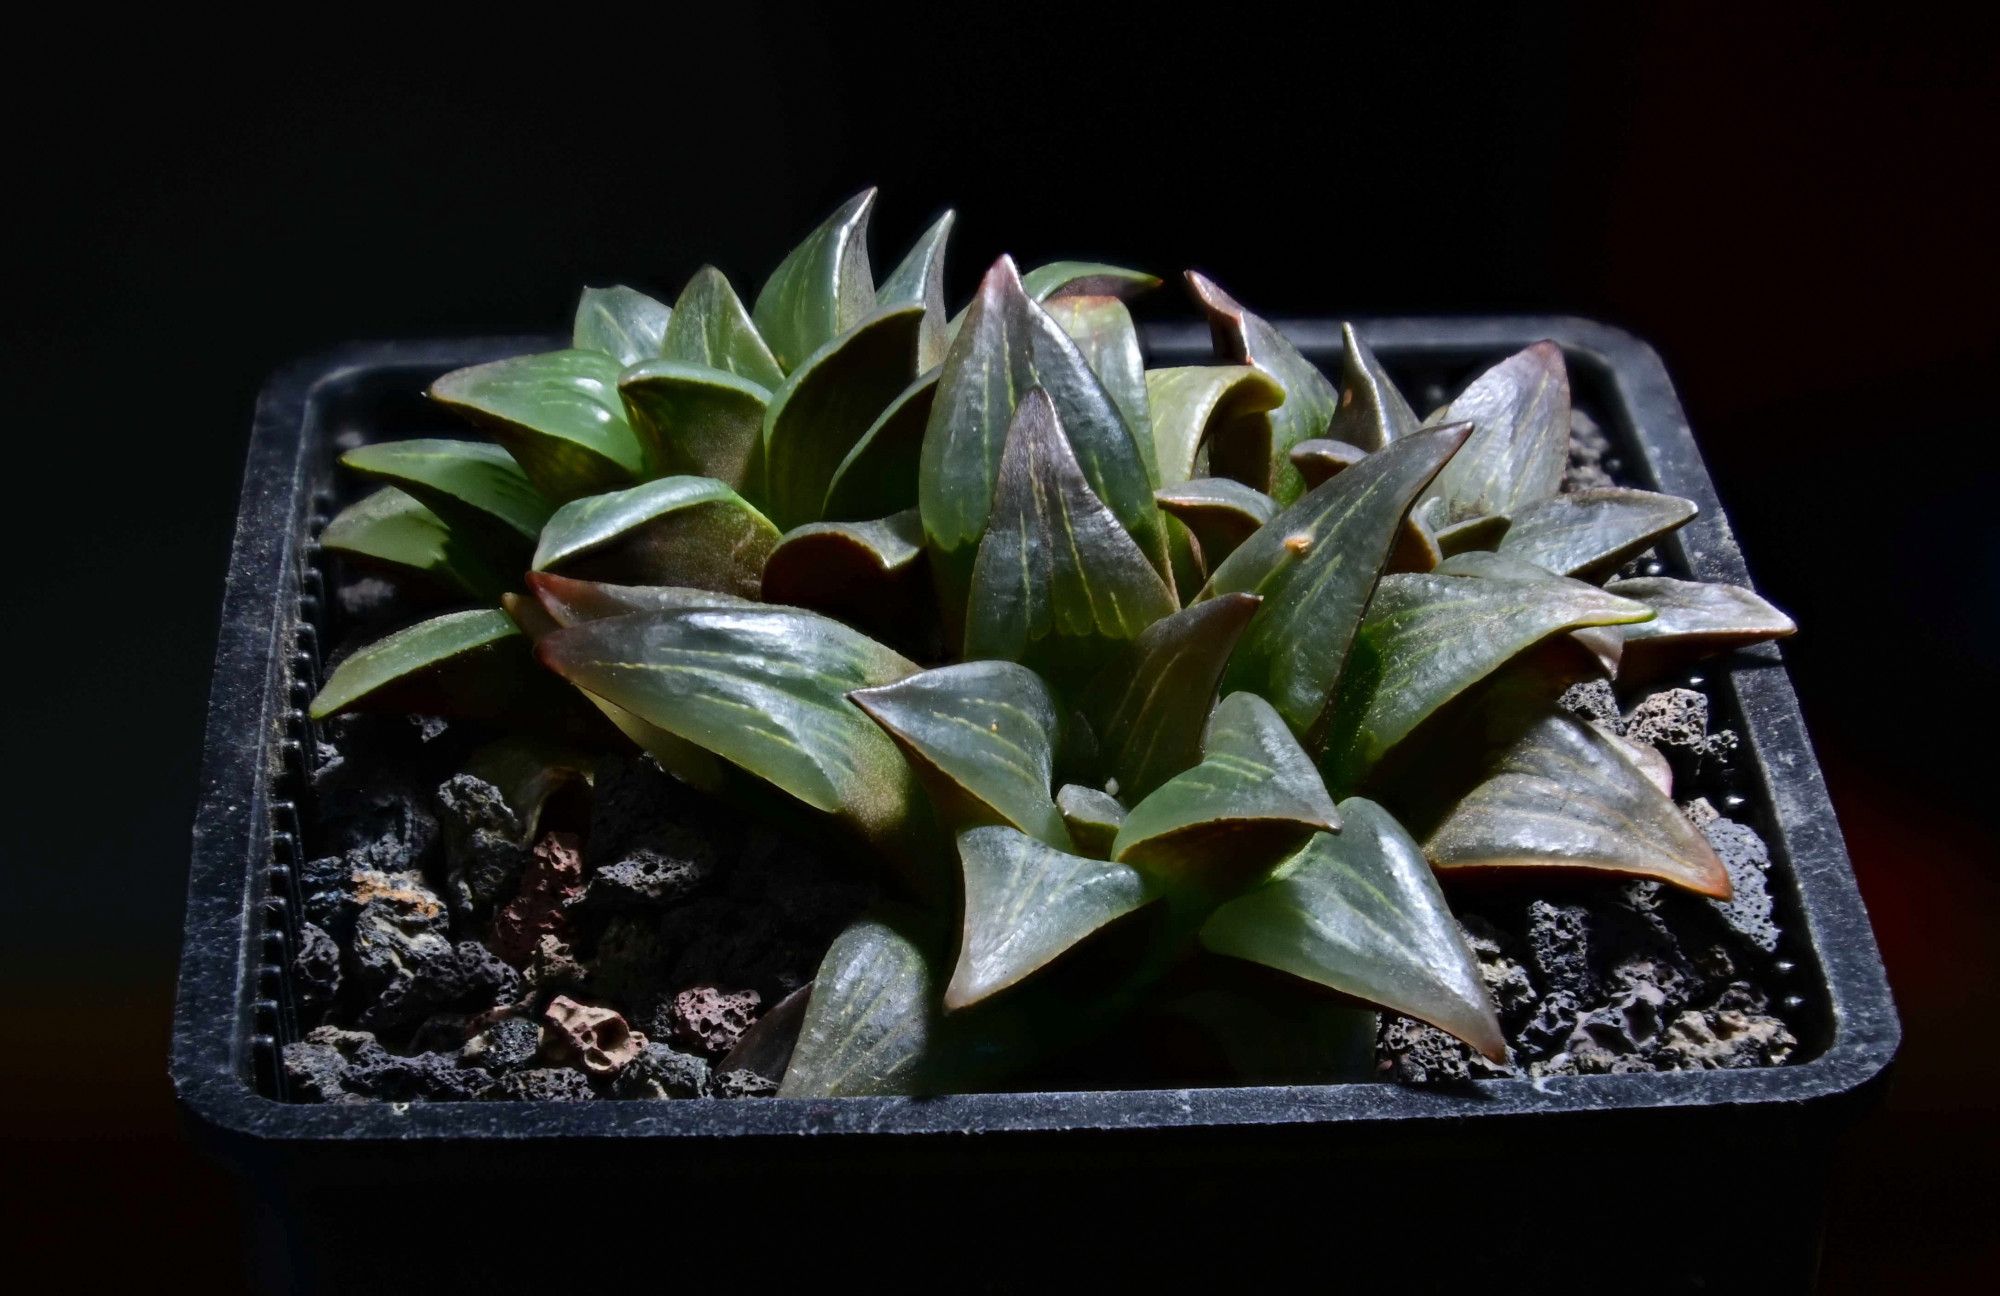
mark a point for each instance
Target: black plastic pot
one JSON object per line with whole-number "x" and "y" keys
{"x": 1637, "y": 1181}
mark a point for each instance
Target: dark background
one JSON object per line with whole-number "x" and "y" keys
{"x": 1793, "y": 207}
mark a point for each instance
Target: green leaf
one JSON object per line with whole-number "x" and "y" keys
{"x": 823, "y": 287}
{"x": 1360, "y": 913}
{"x": 1606, "y": 644}
{"x": 1055, "y": 564}
{"x": 1470, "y": 535}
{"x": 1103, "y": 331}
{"x": 1253, "y": 796}
{"x": 1321, "y": 458}
{"x": 870, "y": 1025}
{"x": 1562, "y": 796}
{"x": 1148, "y": 706}
{"x": 1220, "y": 512}
{"x": 1315, "y": 565}
{"x": 1026, "y": 904}
{"x": 469, "y": 664}
{"x": 569, "y": 601}
{"x": 1007, "y": 347}
{"x": 766, "y": 689}
{"x": 698, "y": 421}
{"x": 1591, "y": 533}
{"x": 557, "y": 413}
{"x": 1213, "y": 420}
{"x": 872, "y": 575}
{"x": 691, "y": 531}
{"x": 1429, "y": 638}
{"x": 1309, "y": 398}
{"x": 879, "y": 475}
{"x": 982, "y": 736}
{"x": 1693, "y": 619}
{"x": 391, "y": 529}
{"x": 621, "y": 322}
{"x": 1371, "y": 412}
{"x": 1519, "y": 446}
{"x": 1092, "y": 818}
{"x": 1059, "y": 279}
{"x": 475, "y": 486}
{"x": 826, "y": 406}
{"x": 710, "y": 328}
{"x": 919, "y": 281}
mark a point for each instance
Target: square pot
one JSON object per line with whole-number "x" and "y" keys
{"x": 1576, "y": 1170}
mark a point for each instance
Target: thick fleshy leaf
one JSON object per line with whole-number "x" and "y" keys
{"x": 1562, "y": 796}
{"x": 1371, "y": 412}
{"x": 1494, "y": 566}
{"x": 394, "y": 530}
{"x": 1322, "y": 457}
{"x": 1026, "y": 904}
{"x": 764, "y": 688}
{"x": 1315, "y": 565}
{"x": 1519, "y": 410}
{"x": 1147, "y": 707}
{"x": 919, "y": 281}
{"x": 1221, "y": 513}
{"x": 711, "y": 328}
{"x": 872, "y": 575}
{"x": 823, "y": 288}
{"x": 1309, "y": 398}
{"x": 879, "y": 475}
{"x": 1693, "y": 619}
{"x": 1429, "y": 638}
{"x": 1277, "y": 1030}
{"x": 558, "y": 414}
{"x": 471, "y": 484}
{"x": 621, "y": 322}
{"x": 1470, "y": 535}
{"x": 696, "y": 420}
{"x": 1092, "y": 817}
{"x": 1103, "y": 331}
{"x": 1360, "y": 913}
{"x": 1213, "y": 420}
{"x": 690, "y": 531}
{"x": 1590, "y": 533}
{"x": 1055, "y": 564}
{"x": 569, "y": 601}
{"x": 1059, "y": 279}
{"x": 870, "y": 1024}
{"x": 1007, "y": 347}
{"x": 467, "y": 664}
{"x": 828, "y": 403}
{"x": 1252, "y": 797}
{"x": 982, "y": 736}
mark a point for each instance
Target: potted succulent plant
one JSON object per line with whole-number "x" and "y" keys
{"x": 1134, "y": 709}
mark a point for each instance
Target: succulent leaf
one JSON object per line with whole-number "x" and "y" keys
{"x": 870, "y": 1024}
{"x": 1519, "y": 446}
{"x": 1213, "y": 420}
{"x": 711, "y": 328}
{"x": 558, "y": 414}
{"x": 1693, "y": 619}
{"x": 1360, "y": 913}
{"x": 697, "y": 420}
{"x": 1221, "y": 513}
{"x": 471, "y": 484}
{"x": 1055, "y": 564}
{"x": 392, "y": 529}
{"x": 568, "y": 601}
{"x": 1590, "y": 533}
{"x": 919, "y": 281}
{"x": 1470, "y": 535}
{"x": 1563, "y": 796}
{"x": 982, "y": 736}
{"x": 1309, "y": 398}
{"x": 1316, "y": 564}
{"x": 823, "y": 288}
{"x": 1059, "y": 279}
{"x": 473, "y": 665}
{"x": 879, "y": 475}
{"x": 871, "y": 575}
{"x": 1008, "y": 346}
{"x": 1254, "y": 795}
{"x": 1147, "y": 707}
{"x": 828, "y": 404}
{"x": 690, "y": 531}
{"x": 621, "y": 322}
{"x": 1429, "y": 638}
{"x": 1103, "y": 331}
{"x": 1322, "y": 457}
{"x": 1371, "y": 412}
{"x": 1092, "y": 817}
{"x": 1027, "y": 903}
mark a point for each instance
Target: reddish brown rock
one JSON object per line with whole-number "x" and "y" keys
{"x": 711, "y": 1019}
{"x": 552, "y": 879}
{"x": 593, "y": 1037}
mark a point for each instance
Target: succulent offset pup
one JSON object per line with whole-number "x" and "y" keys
{"x": 1112, "y": 668}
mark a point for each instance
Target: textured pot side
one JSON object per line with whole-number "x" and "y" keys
{"x": 232, "y": 1012}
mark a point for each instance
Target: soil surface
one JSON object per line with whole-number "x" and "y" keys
{"x": 622, "y": 946}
